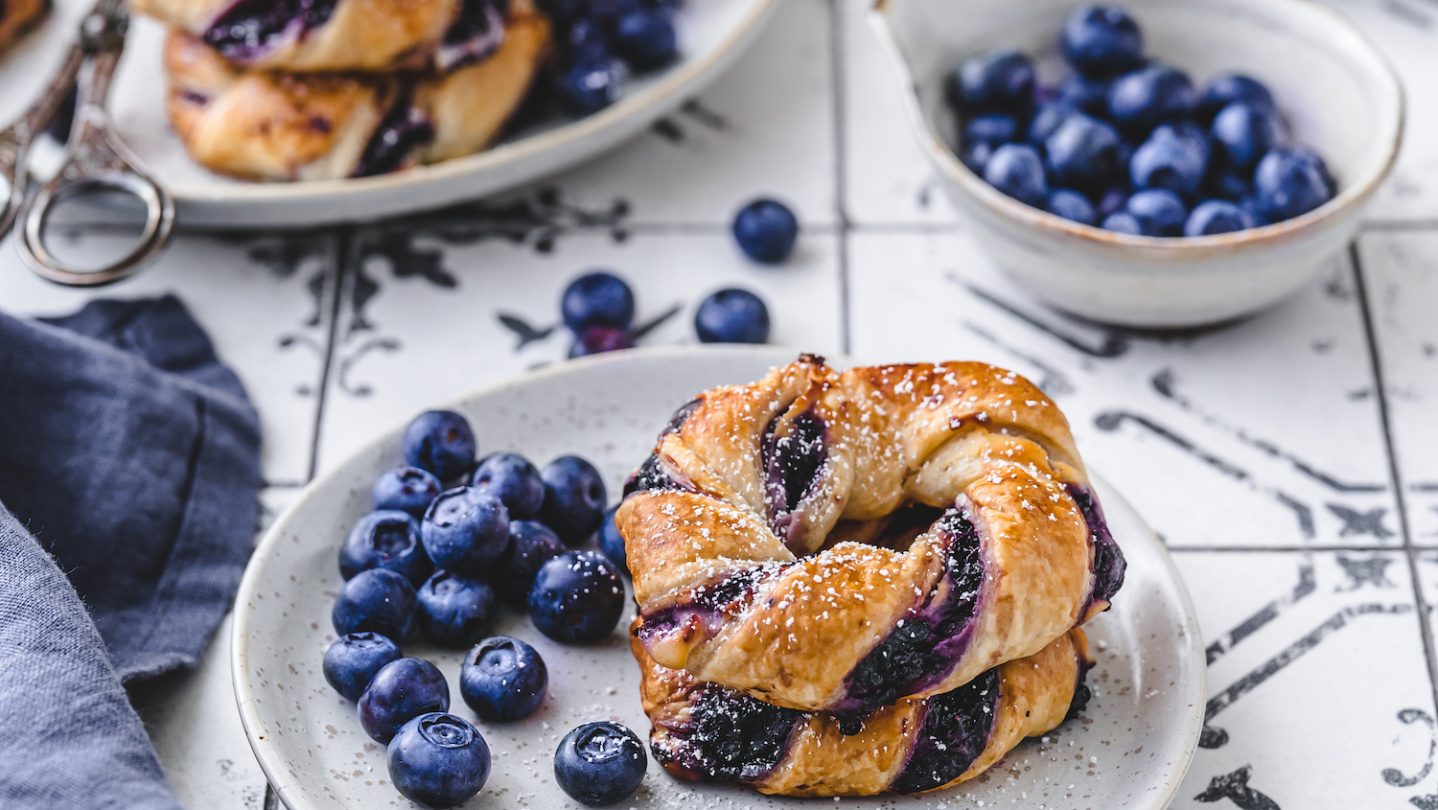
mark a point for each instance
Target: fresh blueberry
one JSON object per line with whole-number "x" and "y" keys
{"x": 1046, "y": 119}
{"x": 608, "y": 12}
{"x": 353, "y": 659}
{"x": 585, "y": 40}
{"x": 1018, "y": 171}
{"x": 1122, "y": 222}
{"x": 992, "y": 128}
{"x": 732, "y": 316}
{"x": 1159, "y": 212}
{"x": 611, "y": 542}
{"x": 438, "y": 760}
{"x": 1244, "y": 133}
{"x": 646, "y": 39}
{"x": 1140, "y": 100}
{"x": 386, "y": 539}
{"x": 597, "y": 298}
{"x": 1111, "y": 201}
{"x": 503, "y": 680}
{"x": 600, "y": 763}
{"x": 401, "y": 691}
{"x": 454, "y": 611}
{"x": 378, "y": 601}
{"x": 408, "y": 489}
{"x": 465, "y": 530}
{"x": 441, "y": 442}
{"x": 1085, "y": 94}
{"x": 1084, "y": 153}
{"x": 1002, "y": 81}
{"x": 590, "y": 85}
{"x": 1230, "y": 88}
{"x": 1172, "y": 158}
{"x": 1290, "y": 182}
{"x": 1230, "y": 184}
{"x": 600, "y": 340}
{"x": 766, "y": 230}
{"x": 532, "y": 544}
{"x": 574, "y": 498}
{"x": 976, "y": 156}
{"x": 563, "y": 12}
{"x": 1101, "y": 40}
{"x": 1072, "y": 205}
{"x": 513, "y": 480}
{"x": 577, "y": 597}
{"x": 1216, "y": 216}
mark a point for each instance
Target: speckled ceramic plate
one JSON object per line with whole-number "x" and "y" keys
{"x": 1129, "y": 750}
{"x": 712, "y": 35}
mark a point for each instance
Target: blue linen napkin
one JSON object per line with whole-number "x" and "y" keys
{"x": 131, "y": 454}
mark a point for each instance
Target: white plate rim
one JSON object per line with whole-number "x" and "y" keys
{"x": 1194, "y": 663}
{"x": 666, "y": 93}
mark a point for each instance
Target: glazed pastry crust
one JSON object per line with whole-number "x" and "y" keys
{"x": 360, "y": 35}
{"x": 954, "y": 433}
{"x": 18, "y": 17}
{"x": 277, "y": 126}
{"x": 1035, "y": 695}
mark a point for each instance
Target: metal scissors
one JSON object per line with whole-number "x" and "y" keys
{"x": 95, "y": 159}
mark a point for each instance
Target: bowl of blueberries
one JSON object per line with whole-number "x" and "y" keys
{"x": 1162, "y": 165}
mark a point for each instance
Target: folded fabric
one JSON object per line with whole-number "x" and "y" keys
{"x": 131, "y": 454}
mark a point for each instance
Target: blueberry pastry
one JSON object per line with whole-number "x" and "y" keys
{"x": 304, "y": 36}
{"x": 834, "y": 542}
{"x": 705, "y": 732}
{"x": 19, "y": 16}
{"x": 280, "y": 126}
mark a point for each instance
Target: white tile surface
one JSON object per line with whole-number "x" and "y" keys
{"x": 1318, "y": 687}
{"x": 266, "y": 302}
{"x": 406, "y": 343}
{"x": 1401, "y": 270}
{"x": 1190, "y": 427}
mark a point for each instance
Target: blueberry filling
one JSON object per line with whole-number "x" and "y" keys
{"x": 1082, "y": 692}
{"x": 792, "y": 464}
{"x": 403, "y": 130}
{"x": 732, "y": 736}
{"x": 1108, "y": 561}
{"x": 475, "y": 34}
{"x": 927, "y": 644}
{"x": 955, "y": 730}
{"x": 708, "y": 601}
{"x": 653, "y": 475}
{"x": 680, "y": 416}
{"x": 249, "y": 29}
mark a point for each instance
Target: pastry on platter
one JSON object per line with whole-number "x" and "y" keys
{"x": 705, "y": 732}
{"x": 834, "y": 542}
{"x": 280, "y": 126}
{"x": 338, "y": 35}
{"x": 19, "y": 16}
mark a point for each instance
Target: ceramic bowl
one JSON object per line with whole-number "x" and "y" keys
{"x": 1337, "y": 90}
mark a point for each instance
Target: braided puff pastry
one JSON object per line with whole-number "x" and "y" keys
{"x": 274, "y": 126}
{"x": 834, "y": 542}
{"x": 704, "y": 732}
{"x": 19, "y": 16}
{"x": 336, "y": 35}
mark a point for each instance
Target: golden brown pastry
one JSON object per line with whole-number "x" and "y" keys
{"x": 19, "y": 16}
{"x": 834, "y": 542}
{"x": 704, "y": 732}
{"x": 276, "y": 126}
{"x": 337, "y": 35}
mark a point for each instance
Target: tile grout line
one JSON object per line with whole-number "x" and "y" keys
{"x": 841, "y": 178}
{"x": 1425, "y": 625}
{"x": 343, "y": 239}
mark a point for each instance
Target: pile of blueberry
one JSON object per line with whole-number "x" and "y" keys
{"x": 448, "y": 540}
{"x": 599, "y": 42}
{"x": 1128, "y": 143}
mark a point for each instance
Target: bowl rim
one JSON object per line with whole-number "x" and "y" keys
{"x": 1348, "y": 199}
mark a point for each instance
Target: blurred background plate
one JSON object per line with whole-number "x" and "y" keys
{"x": 712, "y": 34}
{"x": 1130, "y": 748}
